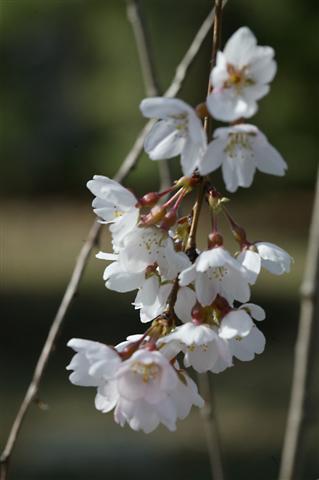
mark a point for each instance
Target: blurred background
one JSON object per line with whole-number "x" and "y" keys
{"x": 70, "y": 90}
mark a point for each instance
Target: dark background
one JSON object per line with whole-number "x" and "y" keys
{"x": 70, "y": 89}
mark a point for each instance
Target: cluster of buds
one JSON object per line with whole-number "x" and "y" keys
{"x": 197, "y": 303}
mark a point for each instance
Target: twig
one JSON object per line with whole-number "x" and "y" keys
{"x": 211, "y": 427}
{"x": 143, "y": 45}
{"x": 81, "y": 262}
{"x": 292, "y": 454}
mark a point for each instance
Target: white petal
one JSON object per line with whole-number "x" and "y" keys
{"x": 239, "y": 169}
{"x": 206, "y": 290}
{"x": 106, "y": 397}
{"x": 184, "y": 304}
{"x": 168, "y": 147}
{"x": 161, "y": 107}
{"x": 267, "y": 158}
{"x": 245, "y": 348}
{"x": 262, "y": 66}
{"x": 235, "y": 323}
{"x": 255, "y": 311}
{"x": 213, "y": 157}
{"x": 187, "y": 276}
{"x": 148, "y": 292}
{"x": 234, "y": 286}
{"x": 274, "y": 258}
{"x": 190, "y": 156}
{"x": 227, "y": 105}
{"x": 251, "y": 261}
{"x": 240, "y": 47}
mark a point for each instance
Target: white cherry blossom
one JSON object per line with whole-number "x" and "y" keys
{"x": 241, "y": 77}
{"x": 145, "y": 390}
{"x": 204, "y": 349}
{"x": 93, "y": 364}
{"x": 245, "y": 348}
{"x": 240, "y": 150}
{"x": 178, "y": 131}
{"x": 266, "y": 255}
{"x": 216, "y": 272}
{"x": 114, "y": 204}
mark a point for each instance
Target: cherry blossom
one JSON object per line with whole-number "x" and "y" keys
{"x": 216, "y": 272}
{"x": 266, "y": 255}
{"x": 245, "y": 348}
{"x": 93, "y": 363}
{"x": 178, "y": 131}
{"x": 240, "y": 150}
{"x": 114, "y": 204}
{"x": 204, "y": 349}
{"x": 144, "y": 390}
{"x": 241, "y": 77}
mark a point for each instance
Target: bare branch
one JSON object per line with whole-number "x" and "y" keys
{"x": 128, "y": 164}
{"x": 210, "y": 427}
{"x": 292, "y": 454}
{"x": 143, "y": 45}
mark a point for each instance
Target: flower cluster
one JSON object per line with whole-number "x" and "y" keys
{"x": 240, "y": 77}
{"x": 197, "y": 303}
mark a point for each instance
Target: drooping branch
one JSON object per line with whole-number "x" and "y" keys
{"x": 306, "y": 343}
{"x": 128, "y": 164}
{"x": 208, "y": 415}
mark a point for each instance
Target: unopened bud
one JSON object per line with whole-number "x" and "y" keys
{"x": 149, "y": 199}
{"x": 215, "y": 239}
{"x": 155, "y": 216}
{"x": 239, "y": 234}
{"x": 169, "y": 219}
{"x": 198, "y": 314}
{"x": 201, "y": 110}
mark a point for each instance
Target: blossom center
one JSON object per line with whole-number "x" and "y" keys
{"x": 238, "y": 140}
{"x": 237, "y": 78}
{"x": 147, "y": 371}
{"x": 217, "y": 273}
{"x": 181, "y": 123}
{"x": 151, "y": 242}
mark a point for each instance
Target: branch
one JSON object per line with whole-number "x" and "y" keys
{"x": 143, "y": 45}
{"x": 128, "y": 164}
{"x": 304, "y": 355}
{"x": 211, "y": 428}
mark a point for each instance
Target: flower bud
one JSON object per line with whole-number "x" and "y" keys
{"x": 198, "y": 314}
{"x": 169, "y": 220}
{"x": 201, "y": 110}
{"x": 239, "y": 234}
{"x": 149, "y": 199}
{"x": 215, "y": 239}
{"x": 155, "y": 216}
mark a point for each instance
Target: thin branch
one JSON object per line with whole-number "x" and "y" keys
{"x": 211, "y": 428}
{"x": 306, "y": 343}
{"x": 128, "y": 164}
{"x": 143, "y": 45}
